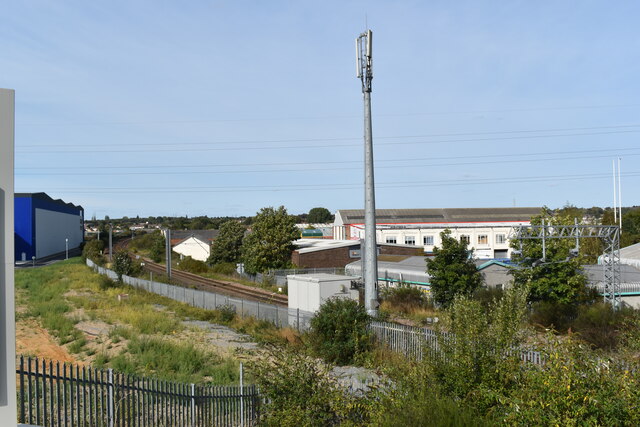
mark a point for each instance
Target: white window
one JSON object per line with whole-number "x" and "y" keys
{"x": 464, "y": 238}
{"x": 409, "y": 240}
{"x": 427, "y": 240}
{"x": 391, "y": 239}
{"x": 501, "y": 238}
{"x": 483, "y": 239}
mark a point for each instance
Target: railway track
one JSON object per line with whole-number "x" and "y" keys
{"x": 231, "y": 289}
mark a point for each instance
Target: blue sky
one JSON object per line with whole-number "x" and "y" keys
{"x": 221, "y": 108}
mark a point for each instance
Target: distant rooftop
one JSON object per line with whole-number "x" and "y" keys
{"x": 439, "y": 216}
{"x": 45, "y": 197}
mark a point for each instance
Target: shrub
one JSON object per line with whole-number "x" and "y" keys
{"x": 226, "y": 268}
{"x": 599, "y": 325}
{"x": 552, "y": 315}
{"x": 300, "y": 392}
{"x": 339, "y": 331}
{"x": 93, "y": 250}
{"x": 404, "y": 297}
{"x": 123, "y": 264}
{"x": 227, "y": 313}
{"x": 105, "y": 283}
{"x": 193, "y": 265}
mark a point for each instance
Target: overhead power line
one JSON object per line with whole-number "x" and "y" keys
{"x": 106, "y": 149}
{"x": 340, "y": 186}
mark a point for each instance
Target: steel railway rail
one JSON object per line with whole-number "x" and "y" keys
{"x": 223, "y": 287}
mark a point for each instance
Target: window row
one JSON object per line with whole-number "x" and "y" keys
{"x": 483, "y": 239}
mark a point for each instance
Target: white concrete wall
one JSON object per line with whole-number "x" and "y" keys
{"x": 194, "y": 248}
{"x": 8, "y": 414}
{"x": 308, "y": 293}
{"x": 52, "y": 228}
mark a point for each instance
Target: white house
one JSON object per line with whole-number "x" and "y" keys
{"x": 485, "y": 229}
{"x": 193, "y": 243}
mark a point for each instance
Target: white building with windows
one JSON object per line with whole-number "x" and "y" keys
{"x": 486, "y": 230}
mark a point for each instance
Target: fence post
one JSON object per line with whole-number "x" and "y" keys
{"x": 298, "y": 319}
{"x": 241, "y": 397}
{"x": 193, "y": 405}
{"x": 110, "y": 401}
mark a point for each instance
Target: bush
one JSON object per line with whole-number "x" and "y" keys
{"x": 123, "y": 265}
{"x": 552, "y": 315}
{"x": 404, "y": 297}
{"x": 226, "y": 268}
{"x": 600, "y": 325}
{"x": 193, "y": 265}
{"x": 105, "y": 283}
{"x": 300, "y": 391}
{"x": 339, "y": 331}
{"x": 227, "y": 313}
{"x": 93, "y": 250}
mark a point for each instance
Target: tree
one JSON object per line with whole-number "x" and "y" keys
{"x": 122, "y": 264}
{"x": 451, "y": 270}
{"x": 158, "y": 248}
{"x": 228, "y": 244}
{"x": 557, "y": 278}
{"x": 319, "y": 216}
{"x": 270, "y": 243}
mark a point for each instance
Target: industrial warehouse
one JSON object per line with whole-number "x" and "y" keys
{"x": 486, "y": 230}
{"x": 46, "y": 227}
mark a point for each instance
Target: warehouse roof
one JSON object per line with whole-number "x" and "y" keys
{"x": 45, "y": 196}
{"x": 426, "y": 216}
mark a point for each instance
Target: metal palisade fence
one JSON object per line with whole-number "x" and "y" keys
{"x": 55, "y": 394}
{"x": 417, "y": 343}
{"x": 279, "y": 316}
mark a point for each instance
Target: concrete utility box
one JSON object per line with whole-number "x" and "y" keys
{"x": 307, "y": 292}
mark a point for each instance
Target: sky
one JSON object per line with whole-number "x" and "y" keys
{"x": 220, "y": 108}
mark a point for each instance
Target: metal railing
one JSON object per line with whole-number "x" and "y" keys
{"x": 279, "y": 316}
{"x": 417, "y": 343}
{"x": 55, "y": 394}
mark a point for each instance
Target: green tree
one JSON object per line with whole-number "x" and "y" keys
{"x": 319, "y": 216}
{"x": 451, "y": 270}
{"x": 122, "y": 264}
{"x": 158, "y": 248}
{"x": 270, "y": 242}
{"x": 557, "y": 278}
{"x": 227, "y": 246}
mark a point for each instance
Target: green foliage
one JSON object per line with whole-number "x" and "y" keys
{"x": 123, "y": 264}
{"x": 177, "y": 361}
{"x": 300, "y": 392}
{"x": 575, "y": 387}
{"x": 452, "y": 271}
{"x": 226, "y": 268}
{"x": 269, "y": 245}
{"x": 339, "y": 331}
{"x": 480, "y": 355}
{"x": 226, "y": 313}
{"x": 157, "y": 248}
{"x": 93, "y": 250}
{"x": 105, "y": 283}
{"x": 319, "y": 216}
{"x": 227, "y": 246}
{"x": 193, "y": 265}
{"x": 558, "y": 278}
{"x": 404, "y": 297}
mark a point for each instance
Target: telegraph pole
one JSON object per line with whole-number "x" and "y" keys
{"x": 168, "y": 252}
{"x": 369, "y": 252}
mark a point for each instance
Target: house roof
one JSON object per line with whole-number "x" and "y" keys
{"x": 595, "y": 273}
{"x": 631, "y": 252}
{"x": 439, "y": 216}
{"x": 204, "y": 235}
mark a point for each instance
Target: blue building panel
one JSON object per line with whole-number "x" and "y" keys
{"x": 24, "y": 228}
{"x": 25, "y": 206}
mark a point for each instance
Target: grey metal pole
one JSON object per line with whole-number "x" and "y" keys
{"x": 241, "y": 395}
{"x": 370, "y": 256}
{"x": 110, "y": 242}
{"x": 168, "y": 252}
{"x": 66, "y": 248}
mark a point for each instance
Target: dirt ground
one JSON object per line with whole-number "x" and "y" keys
{"x": 33, "y": 340}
